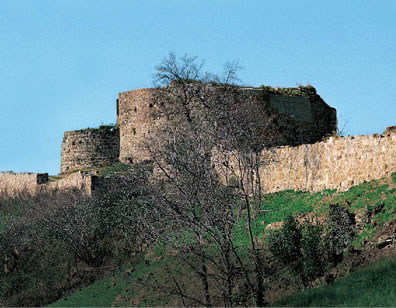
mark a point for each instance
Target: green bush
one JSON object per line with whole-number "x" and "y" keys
{"x": 339, "y": 232}
{"x": 313, "y": 250}
{"x": 310, "y": 249}
{"x": 300, "y": 247}
{"x": 286, "y": 243}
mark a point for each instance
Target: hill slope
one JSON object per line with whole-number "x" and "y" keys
{"x": 143, "y": 282}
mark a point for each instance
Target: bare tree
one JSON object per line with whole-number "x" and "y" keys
{"x": 211, "y": 130}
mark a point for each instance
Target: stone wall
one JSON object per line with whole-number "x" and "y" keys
{"x": 16, "y": 184}
{"x": 29, "y": 184}
{"x": 76, "y": 180}
{"x": 338, "y": 163}
{"x": 135, "y": 121}
{"x": 89, "y": 148}
{"x": 298, "y": 107}
{"x": 302, "y": 117}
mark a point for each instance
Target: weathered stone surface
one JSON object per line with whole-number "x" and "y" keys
{"x": 390, "y": 130}
{"x": 89, "y": 148}
{"x": 82, "y": 181}
{"x": 275, "y": 225}
{"x": 300, "y": 163}
{"x": 14, "y": 184}
{"x": 135, "y": 122}
{"x": 305, "y": 118}
{"x": 338, "y": 163}
{"x": 298, "y": 107}
{"x": 383, "y": 242}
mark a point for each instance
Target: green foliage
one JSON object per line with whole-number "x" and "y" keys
{"x": 300, "y": 247}
{"x": 285, "y": 244}
{"x": 339, "y": 232}
{"x": 313, "y": 251}
{"x": 53, "y": 178}
{"x": 10, "y": 209}
{"x": 310, "y": 249}
{"x": 101, "y": 128}
{"x": 393, "y": 177}
{"x": 104, "y": 127}
{"x": 367, "y": 234}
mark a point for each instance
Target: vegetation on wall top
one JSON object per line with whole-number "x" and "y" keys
{"x": 299, "y": 91}
{"x": 101, "y": 128}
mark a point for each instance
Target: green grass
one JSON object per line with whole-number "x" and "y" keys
{"x": 103, "y": 292}
{"x": 282, "y": 204}
{"x": 363, "y": 195}
{"x": 393, "y": 175}
{"x": 119, "y": 288}
{"x": 367, "y": 234}
{"x": 53, "y": 178}
{"x": 113, "y": 169}
{"x": 373, "y": 285}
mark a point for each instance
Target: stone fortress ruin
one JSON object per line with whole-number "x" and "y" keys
{"x": 306, "y": 158}
{"x": 302, "y": 115}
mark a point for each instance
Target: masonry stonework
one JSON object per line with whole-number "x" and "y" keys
{"x": 300, "y": 160}
{"x": 302, "y": 117}
{"x": 90, "y": 148}
{"x": 134, "y": 118}
{"x": 338, "y": 163}
{"x": 15, "y": 184}
{"x": 76, "y": 180}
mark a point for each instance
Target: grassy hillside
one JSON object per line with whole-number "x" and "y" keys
{"x": 143, "y": 282}
{"x": 372, "y": 285}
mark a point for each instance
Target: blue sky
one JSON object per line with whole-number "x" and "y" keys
{"x": 63, "y": 62}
